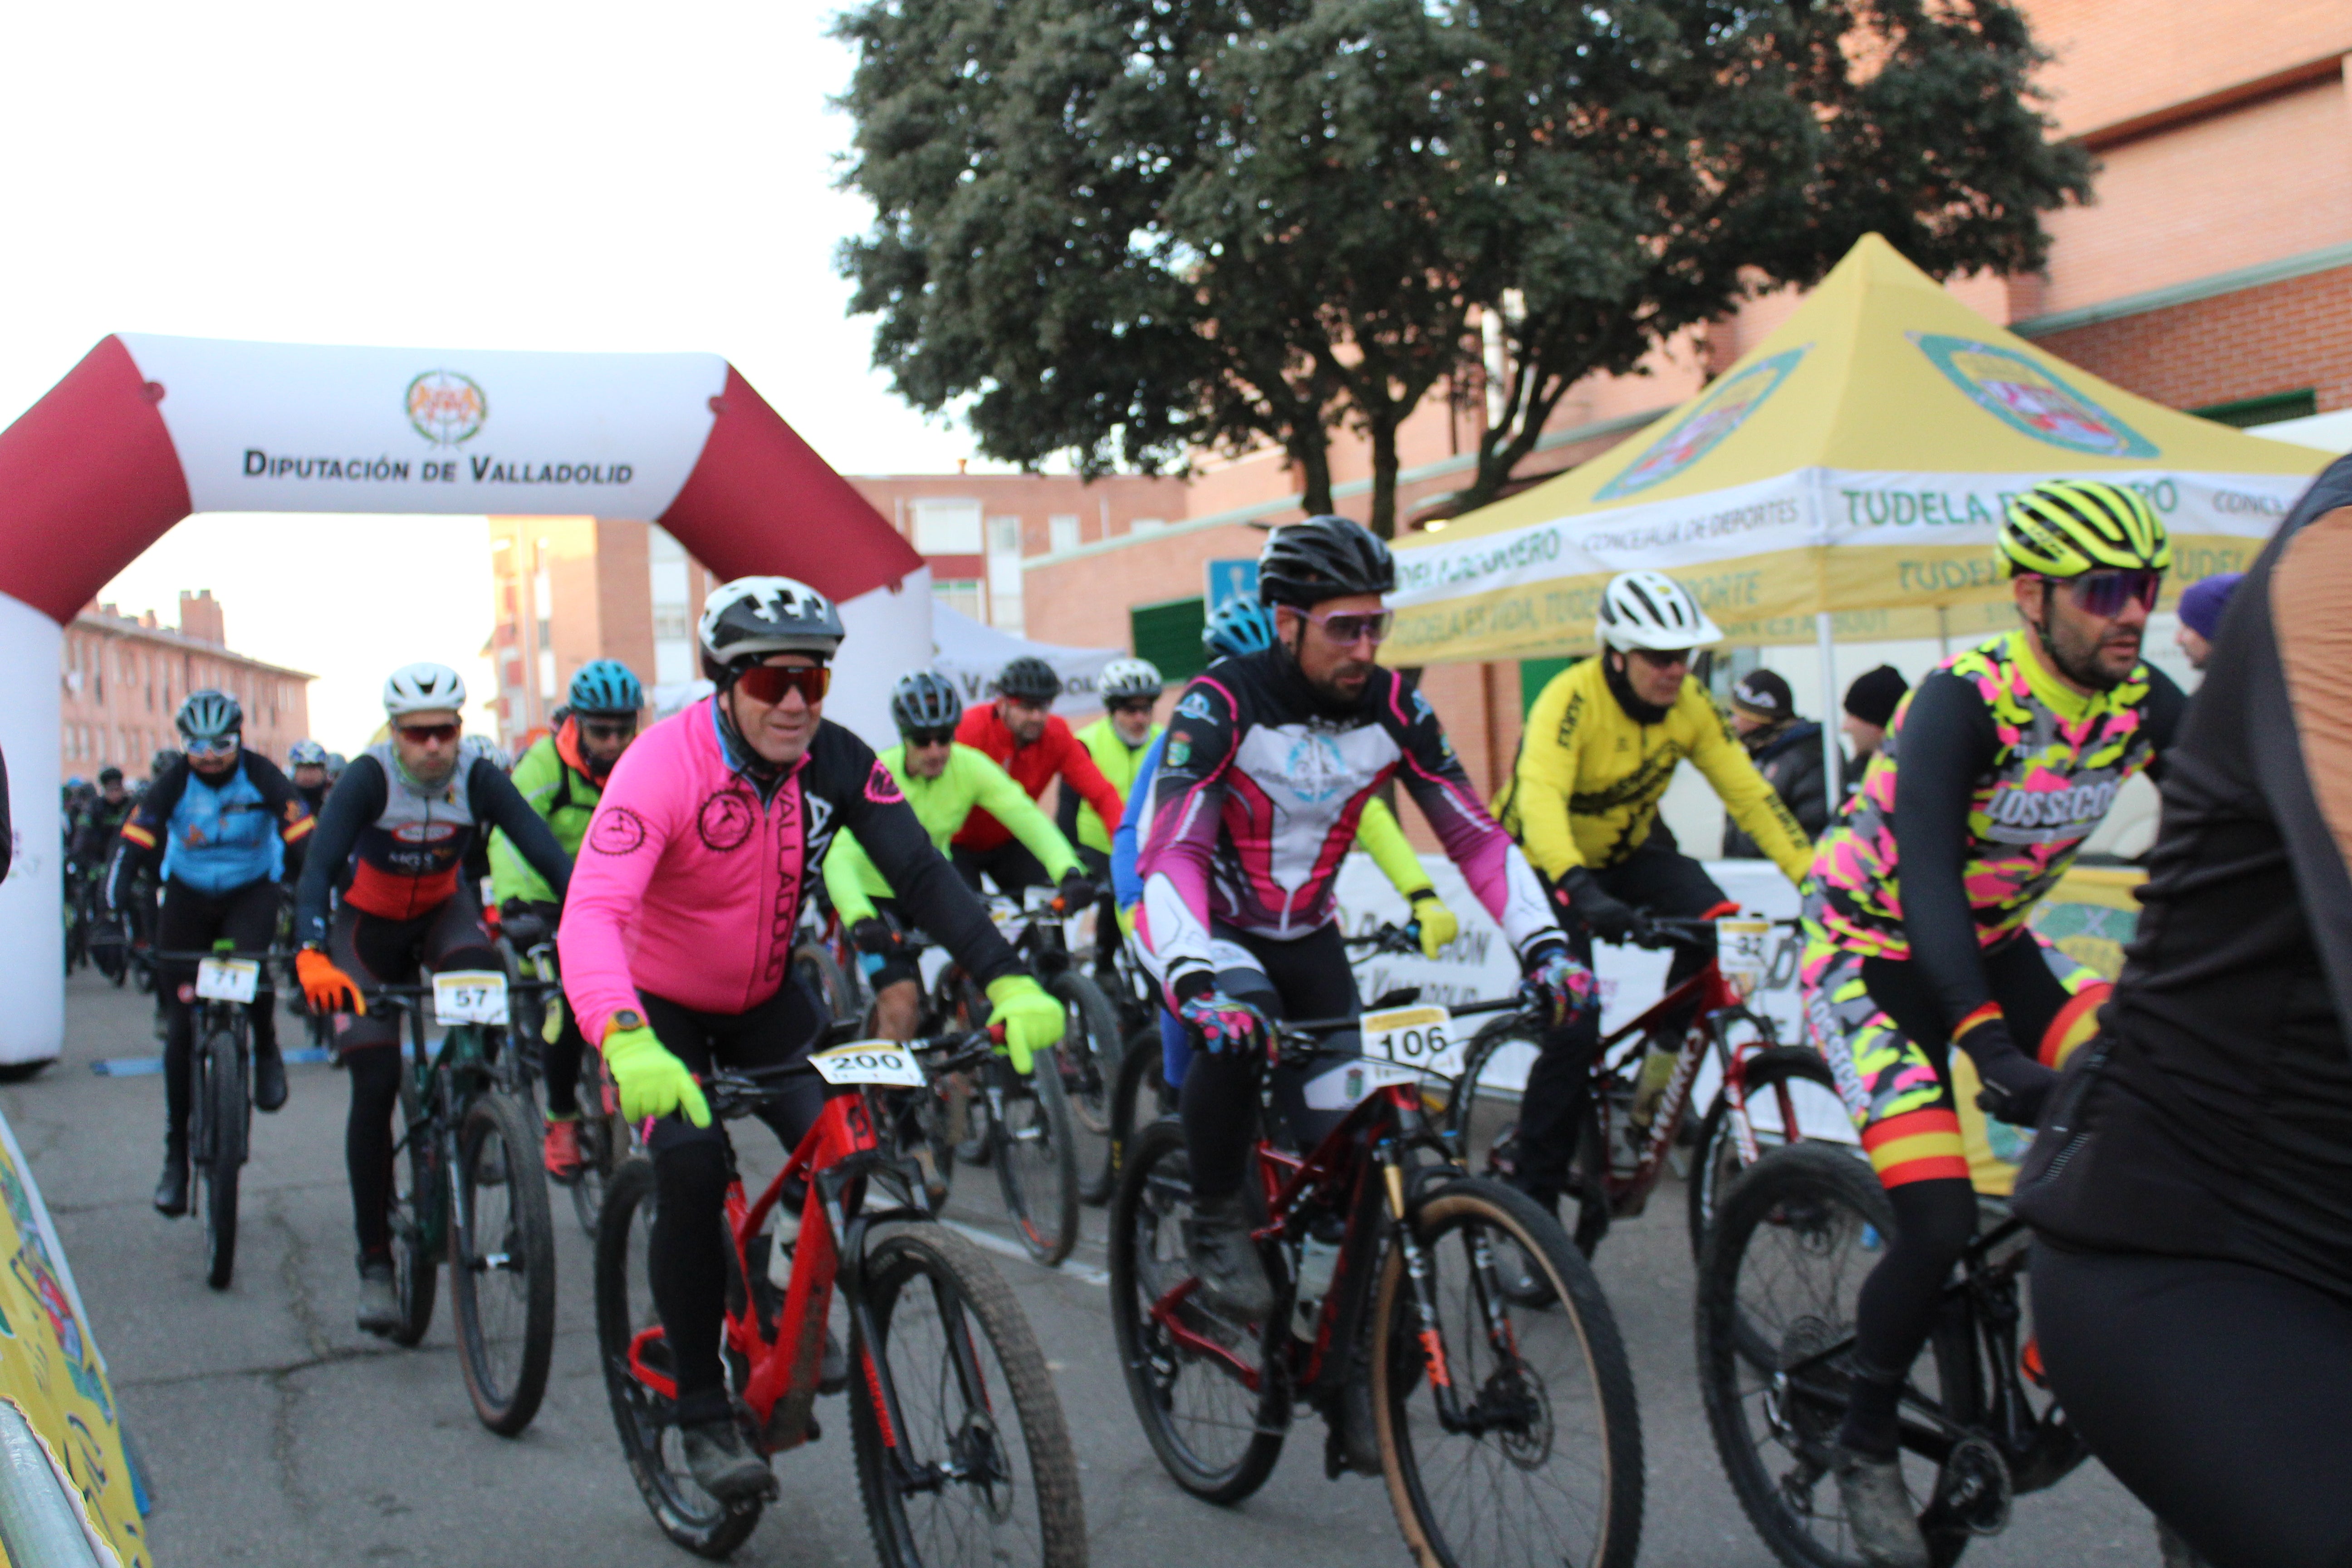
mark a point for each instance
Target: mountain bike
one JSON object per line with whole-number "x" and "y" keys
{"x": 956, "y": 1427}
{"x": 1777, "y": 1285}
{"x": 220, "y": 1088}
{"x": 1500, "y": 1432}
{"x": 1022, "y": 1125}
{"x": 1092, "y": 1038}
{"x": 1641, "y": 1078}
{"x": 536, "y": 995}
{"x": 467, "y": 1185}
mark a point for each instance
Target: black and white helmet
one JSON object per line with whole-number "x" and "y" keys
{"x": 423, "y": 689}
{"x": 754, "y": 617}
{"x": 305, "y": 755}
{"x": 209, "y": 715}
{"x": 1129, "y": 678}
{"x": 925, "y": 700}
{"x": 1651, "y": 610}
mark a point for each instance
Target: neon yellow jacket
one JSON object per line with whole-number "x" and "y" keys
{"x": 1586, "y": 788}
{"x": 1118, "y": 763}
{"x": 941, "y": 805}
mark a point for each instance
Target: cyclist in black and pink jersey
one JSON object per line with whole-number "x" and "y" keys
{"x": 1270, "y": 761}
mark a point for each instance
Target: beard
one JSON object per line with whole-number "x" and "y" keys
{"x": 2084, "y": 657}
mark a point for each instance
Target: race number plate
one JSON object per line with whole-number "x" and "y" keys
{"x": 1743, "y": 952}
{"x": 228, "y": 979}
{"x": 869, "y": 1061}
{"x": 1339, "y": 1087}
{"x": 469, "y": 996}
{"x": 1415, "y": 1038}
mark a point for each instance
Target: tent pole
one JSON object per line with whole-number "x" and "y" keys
{"x": 1833, "y": 763}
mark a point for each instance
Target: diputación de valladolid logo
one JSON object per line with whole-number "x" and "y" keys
{"x": 447, "y": 408}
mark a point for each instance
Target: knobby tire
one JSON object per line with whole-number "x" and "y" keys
{"x": 498, "y": 1132}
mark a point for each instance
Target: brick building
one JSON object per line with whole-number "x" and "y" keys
{"x": 124, "y": 677}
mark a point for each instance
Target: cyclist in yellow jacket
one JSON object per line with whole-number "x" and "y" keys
{"x": 1602, "y": 745}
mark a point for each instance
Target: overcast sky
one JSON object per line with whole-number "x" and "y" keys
{"x": 578, "y": 176}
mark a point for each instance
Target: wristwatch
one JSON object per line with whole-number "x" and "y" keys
{"x": 626, "y": 1018}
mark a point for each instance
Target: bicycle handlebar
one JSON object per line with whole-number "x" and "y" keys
{"x": 738, "y": 1092}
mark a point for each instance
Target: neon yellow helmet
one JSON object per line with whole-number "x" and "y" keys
{"x": 2063, "y": 528}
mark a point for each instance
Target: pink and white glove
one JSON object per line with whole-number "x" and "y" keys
{"x": 1559, "y": 986}
{"x": 1222, "y": 1022}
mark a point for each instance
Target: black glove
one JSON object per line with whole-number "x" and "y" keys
{"x": 875, "y": 937}
{"x": 1581, "y": 897}
{"x": 525, "y": 925}
{"x": 1077, "y": 891}
{"x": 2016, "y": 1087}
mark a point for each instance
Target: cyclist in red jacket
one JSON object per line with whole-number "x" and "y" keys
{"x": 1019, "y": 734}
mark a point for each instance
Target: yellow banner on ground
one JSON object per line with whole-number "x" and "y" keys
{"x": 51, "y": 1372}
{"x": 2089, "y": 916}
{"x": 1856, "y": 461}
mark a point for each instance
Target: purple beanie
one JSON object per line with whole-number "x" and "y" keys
{"x": 2203, "y": 602}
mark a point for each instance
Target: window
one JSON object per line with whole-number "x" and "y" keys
{"x": 945, "y": 526}
{"x": 1169, "y": 635}
{"x": 1146, "y": 524}
{"x": 2268, "y": 409}
{"x": 1004, "y": 573}
{"x": 960, "y": 596}
{"x": 1063, "y": 532}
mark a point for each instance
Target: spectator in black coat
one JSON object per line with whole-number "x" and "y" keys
{"x": 1786, "y": 750}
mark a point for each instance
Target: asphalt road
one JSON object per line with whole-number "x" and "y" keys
{"x": 276, "y": 1433}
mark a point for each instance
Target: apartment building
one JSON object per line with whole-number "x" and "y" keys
{"x": 123, "y": 677}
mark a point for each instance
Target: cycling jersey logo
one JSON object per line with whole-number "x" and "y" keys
{"x": 1195, "y": 706}
{"x": 1314, "y": 768}
{"x": 725, "y": 820}
{"x": 2018, "y": 816}
{"x": 882, "y": 786}
{"x": 1724, "y": 409}
{"x": 424, "y": 832}
{"x": 617, "y": 830}
{"x": 447, "y": 407}
{"x": 2030, "y": 399}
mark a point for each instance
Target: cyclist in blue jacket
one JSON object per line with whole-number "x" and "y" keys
{"x": 226, "y": 824}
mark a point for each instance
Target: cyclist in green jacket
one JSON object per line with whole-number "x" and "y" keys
{"x": 561, "y": 777}
{"x": 943, "y": 779}
{"x": 1117, "y": 742}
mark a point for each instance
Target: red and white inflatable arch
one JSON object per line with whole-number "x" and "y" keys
{"x": 146, "y": 430}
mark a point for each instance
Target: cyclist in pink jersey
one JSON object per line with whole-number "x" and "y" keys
{"x": 676, "y": 943}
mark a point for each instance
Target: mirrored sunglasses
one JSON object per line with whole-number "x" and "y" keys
{"x": 2105, "y": 594}
{"x": 1349, "y": 629}
{"x": 769, "y": 682}
{"x": 219, "y": 745}
{"x": 422, "y": 734}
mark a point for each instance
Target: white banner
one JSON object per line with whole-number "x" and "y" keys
{"x": 295, "y": 427}
{"x": 971, "y": 655}
{"x": 1813, "y": 507}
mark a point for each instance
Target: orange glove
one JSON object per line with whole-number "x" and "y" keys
{"x": 327, "y": 988}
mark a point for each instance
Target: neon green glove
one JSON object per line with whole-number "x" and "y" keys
{"x": 1438, "y": 924}
{"x": 1032, "y": 1019}
{"x": 651, "y": 1082}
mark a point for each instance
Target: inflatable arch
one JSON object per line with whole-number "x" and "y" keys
{"x": 146, "y": 430}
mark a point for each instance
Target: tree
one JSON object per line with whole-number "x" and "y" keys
{"x": 1124, "y": 229}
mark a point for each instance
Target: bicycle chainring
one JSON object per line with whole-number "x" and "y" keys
{"x": 1973, "y": 1490}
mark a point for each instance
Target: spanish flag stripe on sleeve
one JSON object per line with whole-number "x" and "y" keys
{"x": 297, "y": 831}
{"x": 139, "y": 836}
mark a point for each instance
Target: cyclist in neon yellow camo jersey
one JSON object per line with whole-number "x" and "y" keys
{"x": 1993, "y": 773}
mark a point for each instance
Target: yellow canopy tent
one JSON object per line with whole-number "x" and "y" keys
{"x": 1842, "y": 480}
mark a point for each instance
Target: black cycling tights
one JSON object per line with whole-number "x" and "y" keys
{"x": 367, "y": 1144}
{"x": 1933, "y": 1223}
{"x": 1308, "y": 978}
{"x": 2217, "y": 1391}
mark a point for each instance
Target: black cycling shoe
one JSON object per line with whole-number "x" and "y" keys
{"x": 721, "y": 1464}
{"x": 269, "y": 1081}
{"x": 172, "y": 1189}
{"x": 1233, "y": 1275}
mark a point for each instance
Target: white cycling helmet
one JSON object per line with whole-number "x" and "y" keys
{"x": 1129, "y": 677}
{"x": 423, "y": 688}
{"x": 1651, "y": 610}
{"x": 751, "y": 618}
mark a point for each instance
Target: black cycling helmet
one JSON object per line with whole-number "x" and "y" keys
{"x": 209, "y": 715}
{"x": 1030, "y": 678}
{"x": 925, "y": 701}
{"x": 1304, "y": 563}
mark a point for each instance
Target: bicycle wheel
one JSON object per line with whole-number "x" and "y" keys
{"x": 1037, "y": 1157}
{"x": 844, "y": 996}
{"x": 1140, "y": 1098}
{"x": 504, "y": 1294}
{"x": 1482, "y": 1117}
{"x": 1788, "y": 1090}
{"x": 977, "y": 1468}
{"x": 1213, "y": 1407}
{"x": 603, "y": 1144}
{"x": 1089, "y": 1051}
{"x": 1542, "y": 1460}
{"x": 222, "y": 1066}
{"x": 650, "y": 1439}
{"x": 1778, "y": 1279}
{"x": 415, "y": 1205}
